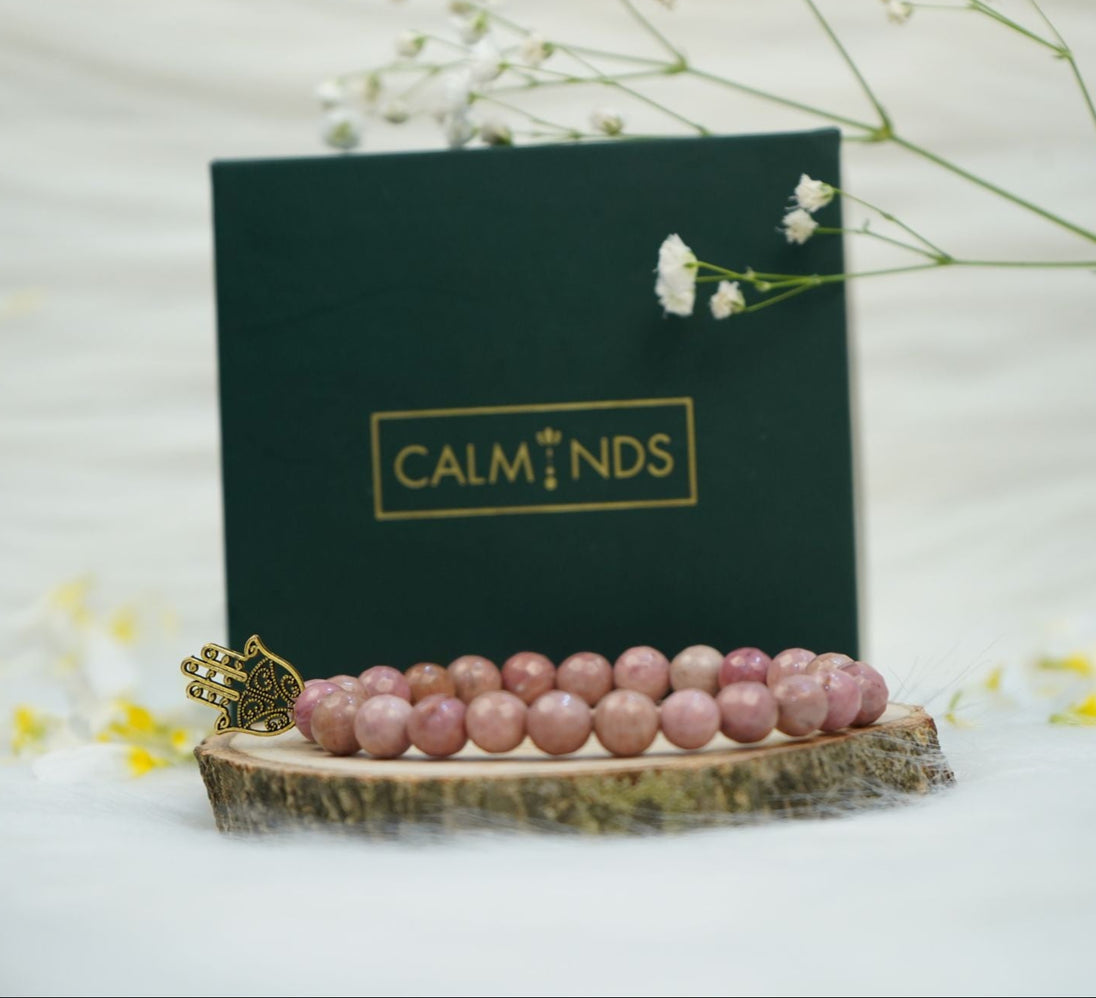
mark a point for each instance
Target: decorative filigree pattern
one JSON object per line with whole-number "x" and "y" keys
{"x": 253, "y": 692}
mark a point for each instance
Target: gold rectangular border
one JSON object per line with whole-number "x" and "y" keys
{"x": 379, "y": 513}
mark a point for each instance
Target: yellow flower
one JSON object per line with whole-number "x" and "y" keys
{"x": 141, "y": 761}
{"x": 1083, "y": 712}
{"x": 29, "y": 728}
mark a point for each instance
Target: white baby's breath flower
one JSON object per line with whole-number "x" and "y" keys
{"x": 798, "y": 226}
{"x": 458, "y": 129}
{"x": 496, "y": 133}
{"x": 486, "y": 62}
{"x": 341, "y": 129}
{"x": 396, "y": 112}
{"x": 727, "y": 300}
{"x": 607, "y": 121}
{"x": 330, "y": 93}
{"x": 811, "y": 195}
{"x": 409, "y": 44}
{"x": 471, "y": 26}
{"x": 455, "y": 93}
{"x": 675, "y": 285}
{"x": 898, "y": 11}
{"x": 534, "y": 49}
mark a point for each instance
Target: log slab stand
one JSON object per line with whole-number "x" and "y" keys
{"x": 257, "y": 784}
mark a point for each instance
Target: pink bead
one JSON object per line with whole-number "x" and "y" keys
{"x": 528, "y": 674}
{"x": 587, "y": 675}
{"x": 690, "y": 717}
{"x": 333, "y": 722}
{"x": 626, "y": 721}
{"x": 559, "y": 722}
{"x": 426, "y": 679}
{"x": 383, "y": 679}
{"x": 873, "y": 693}
{"x": 843, "y": 697}
{"x": 744, "y": 665}
{"x": 827, "y": 662}
{"x": 380, "y": 725}
{"x": 473, "y": 675}
{"x": 349, "y": 683}
{"x": 790, "y": 662}
{"x": 314, "y": 691}
{"x": 748, "y": 711}
{"x": 436, "y": 725}
{"x": 802, "y": 704}
{"x": 495, "y": 721}
{"x": 696, "y": 668}
{"x": 643, "y": 669}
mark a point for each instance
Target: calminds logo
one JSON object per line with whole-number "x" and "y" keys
{"x": 554, "y": 458}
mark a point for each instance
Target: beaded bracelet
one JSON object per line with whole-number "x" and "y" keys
{"x": 744, "y": 694}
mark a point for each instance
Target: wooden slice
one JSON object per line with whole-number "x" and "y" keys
{"x": 259, "y": 783}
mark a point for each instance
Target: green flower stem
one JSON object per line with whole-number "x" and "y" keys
{"x": 884, "y": 118}
{"x": 987, "y": 185}
{"x": 896, "y": 221}
{"x": 784, "y": 296}
{"x": 795, "y": 105}
{"x": 825, "y": 230}
{"x": 613, "y": 82}
{"x": 647, "y": 26}
{"x": 556, "y": 128}
{"x": 1067, "y": 54}
{"x": 995, "y": 15}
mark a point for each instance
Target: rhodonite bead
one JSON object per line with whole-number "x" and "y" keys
{"x": 436, "y": 725}
{"x": 473, "y": 675}
{"x": 626, "y": 721}
{"x": 559, "y": 722}
{"x": 643, "y": 669}
{"x": 383, "y": 679}
{"x": 802, "y": 704}
{"x": 690, "y": 717}
{"x": 333, "y": 722}
{"x": 873, "y": 693}
{"x": 586, "y": 674}
{"x": 827, "y": 662}
{"x": 744, "y": 665}
{"x": 380, "y": 725}
{"x": 427, "y": 679}
{"x": 748, "y": 711}
{"x": 790, "y": 662}
{"x": 495, "y": 721}
{"x": 349, "y": 683}
{"x": 696, "y": 668}
{"x": 314, "y": 691}
{"x": 528, "y": 674}
{"x": 843, "y": 699}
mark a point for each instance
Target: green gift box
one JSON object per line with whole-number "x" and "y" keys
{"x": 455, "y": 419}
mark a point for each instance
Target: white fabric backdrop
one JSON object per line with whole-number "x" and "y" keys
{"x": 978, "y": 450}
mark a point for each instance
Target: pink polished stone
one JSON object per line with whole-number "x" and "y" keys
{"x": 528, "y": 674}
{"x": 495, "y": 721}
{"x": 427, "y": 679}
{"x": 829, "y": 661}
{"x": 843, "y": 697}
{"x": 690, "y": 718}
{"x": 314, "y": 691}
{"x": 873, "y": 693}
{"x": 380, "y": 725}
{"x": 586, "y": 674}
{"x": 696, "y": 668}
{"x": 744, "y": 665}
{"x": 790, "y": 662}
{"x": 383, "y": 679}
{"x": 559, "y": 722}
{"x": 349, "y": 683}
{"x": 473, "y": 675}
{"x": 802, "y": 704}
{"x": 436, "y": 725}
{"x": 748, "y": 711}
{"x": 643, "y": 669}
{"x": 626, "y": 721}
{"x": 333, "y": 722}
